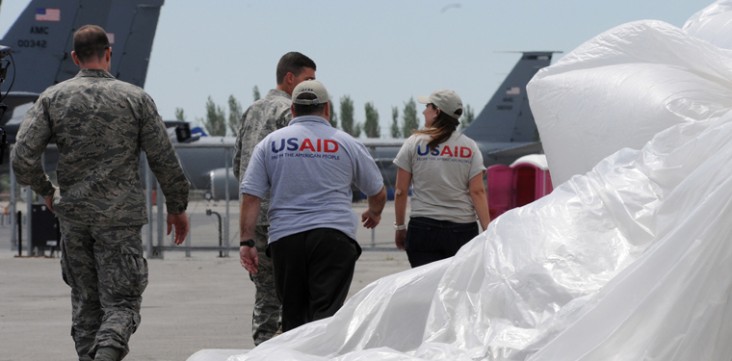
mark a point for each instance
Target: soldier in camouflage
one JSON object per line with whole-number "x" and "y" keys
{"x": 263, "y": 117}
{"x": 100, "y": 124}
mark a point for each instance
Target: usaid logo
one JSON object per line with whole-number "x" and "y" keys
{"x": 454, "y": 152}
{"x": 307, "y": 144}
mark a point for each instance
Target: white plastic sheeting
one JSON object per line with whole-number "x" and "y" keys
{"x": 627, "y": 84}
{"x": 713, "y": 23}
{"x": 631, "y": 260}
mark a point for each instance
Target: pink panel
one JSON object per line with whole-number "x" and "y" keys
{"x": 500, "y": 189}
{"x": 524, "y": 177}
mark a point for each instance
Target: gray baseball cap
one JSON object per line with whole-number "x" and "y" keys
{"x": 312, "y": 87}
{"x": 446, "y": 100}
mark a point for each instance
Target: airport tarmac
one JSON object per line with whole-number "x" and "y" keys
{"x": 199, "y": 302}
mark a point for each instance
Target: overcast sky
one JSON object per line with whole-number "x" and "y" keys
{"x": 382, "y": 51}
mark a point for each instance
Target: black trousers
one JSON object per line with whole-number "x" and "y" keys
{"x": 430, "y": 240}
{"x": 313, "y": 272}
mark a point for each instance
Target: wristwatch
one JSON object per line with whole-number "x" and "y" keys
{"x": 248, "y": 243}
{"x": 400, "y": 227}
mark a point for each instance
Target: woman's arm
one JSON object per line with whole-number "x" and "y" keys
{"x": 401, "y": 191}
{"x": 476, "y": 187}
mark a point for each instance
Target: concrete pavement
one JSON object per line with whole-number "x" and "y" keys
{"x": 199, "y": 302}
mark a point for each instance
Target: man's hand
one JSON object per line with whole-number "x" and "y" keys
{"x": 370, "y": 219}
{"x": 372, "y": 216}
{"x": 180, "y": 221}
{"x": 248, "y": 212}
{"x": 249, "y": 259}
{"x": 49, "y": 202}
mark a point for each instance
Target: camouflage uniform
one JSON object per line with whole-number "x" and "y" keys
{"x": 100, "y": 124}
{"x": 263, "y": 117}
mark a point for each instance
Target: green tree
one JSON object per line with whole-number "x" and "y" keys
{"x": 395, "y": 123}
{"x": 255, "y": 93}
{"x": 333, "y": 116}
{"x": 215, "y": 122}
{"x": 357, "y": 130}
{"x": 235, "y": 113}
{"x": 371, "y": 124}
{"x": 347, "y": 115}
{"x": 468, "y": 117}
{"x": 409, "y": 118}
{"x": 180, "y": 114}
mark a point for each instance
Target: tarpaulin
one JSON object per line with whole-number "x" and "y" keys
{"x": 629, "y": 258}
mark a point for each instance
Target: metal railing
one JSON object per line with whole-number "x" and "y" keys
{"x": 207, "y": 233}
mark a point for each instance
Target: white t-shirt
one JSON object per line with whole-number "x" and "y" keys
{"x": 440, "y": 176}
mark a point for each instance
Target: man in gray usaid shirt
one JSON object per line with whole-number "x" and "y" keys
{"x": 309, "y": 168}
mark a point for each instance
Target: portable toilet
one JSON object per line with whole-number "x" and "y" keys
{"x": 524, "y": 181}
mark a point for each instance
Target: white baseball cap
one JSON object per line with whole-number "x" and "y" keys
{"x": 312, "y": 87}
{"x": 446, "y": 100}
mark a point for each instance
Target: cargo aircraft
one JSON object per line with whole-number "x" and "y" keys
{"x": 41, "y": 39}
{"x": 38, "y": 47}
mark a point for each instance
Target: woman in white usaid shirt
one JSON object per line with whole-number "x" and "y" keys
{"x": 445, "y": 169}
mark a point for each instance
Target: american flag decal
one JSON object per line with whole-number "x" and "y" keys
{"x": 513, "y": 91}
{"x": 48, "y": 14}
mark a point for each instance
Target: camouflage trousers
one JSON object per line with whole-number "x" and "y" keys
{"x": 267, "y": 313}
{"x": 107, "y": 273}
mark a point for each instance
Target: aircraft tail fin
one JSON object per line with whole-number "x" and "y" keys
{"x": 507, "y": 118}
{"x": 133, "y": 24}
{"x": 41, "y": 37}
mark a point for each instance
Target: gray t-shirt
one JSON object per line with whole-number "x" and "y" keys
{"x": 440, "y": 176}
{"x": 309, "y": 167}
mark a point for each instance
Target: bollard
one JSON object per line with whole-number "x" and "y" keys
{"x": 19, "y": 223}
{"x": 208, "y": 213}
